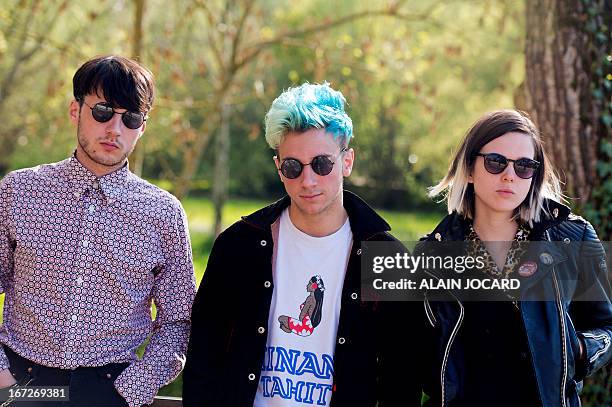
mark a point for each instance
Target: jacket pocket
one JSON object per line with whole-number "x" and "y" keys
{"x": 597, "y": 344}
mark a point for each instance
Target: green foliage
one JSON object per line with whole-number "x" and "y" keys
{"x": 597, "y": 389}
{"x": 414, "y": 82}
{"x": 597, "y": 28}
{"x": 413, "y": 87}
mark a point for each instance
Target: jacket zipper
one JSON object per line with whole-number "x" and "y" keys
{"x": 450, "y": 343}
{"x": 448, "y": 346}
{"x": 429, "y": 312}
{"x": 563, "y": 340}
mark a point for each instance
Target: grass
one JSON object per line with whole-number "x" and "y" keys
{"x": 406, "y": 226}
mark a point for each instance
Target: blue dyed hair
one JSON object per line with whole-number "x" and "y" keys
{"x": 308, "y": 106}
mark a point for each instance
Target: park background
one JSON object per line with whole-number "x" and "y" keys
{"x": 415, "y": 73}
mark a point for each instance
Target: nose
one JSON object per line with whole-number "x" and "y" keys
{"x": 309, "y": 177}
{"x": 508, "y": 175}
{"x": 113, "y": 126}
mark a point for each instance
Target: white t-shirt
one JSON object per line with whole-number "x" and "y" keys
{"x": 308, "y": 280}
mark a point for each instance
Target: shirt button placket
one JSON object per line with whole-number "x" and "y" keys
{"x": 87, "y": 209}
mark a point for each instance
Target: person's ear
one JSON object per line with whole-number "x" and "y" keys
{"x": 73, "y": 111}
{"x": 348, "y": 158}
{"x": 277, "y": 166}
{"x": 142, "y": 129}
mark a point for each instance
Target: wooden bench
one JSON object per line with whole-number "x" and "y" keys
{"x": 163, "y": 401}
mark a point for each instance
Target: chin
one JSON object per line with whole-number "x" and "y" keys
{"x": 311, "y": 209}
{"x": 506, "y": 207}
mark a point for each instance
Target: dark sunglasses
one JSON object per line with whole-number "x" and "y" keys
{"x": 497, "y": 163}
{"x": 103, "y": 112}
{"x": 321, "y": 165}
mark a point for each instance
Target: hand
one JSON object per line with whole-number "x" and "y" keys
{"x": 581, "y": 355}
{"x": 6, "y": 379}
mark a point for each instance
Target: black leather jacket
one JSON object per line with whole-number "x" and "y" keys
{"x": 552, "y": 327}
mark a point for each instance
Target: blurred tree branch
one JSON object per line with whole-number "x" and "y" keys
{"x": 235, "y": 56}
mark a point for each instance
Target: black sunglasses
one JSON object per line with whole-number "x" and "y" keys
{"x": 321, "y": 165}
{"x": 496, "y": 163}
{"x": 103, "y": 112}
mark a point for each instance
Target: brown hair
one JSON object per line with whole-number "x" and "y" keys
{"x": 123, "y": 82}
{"x": 459, "y": 193}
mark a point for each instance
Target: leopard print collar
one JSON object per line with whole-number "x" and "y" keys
{"x": 513, "y": 258}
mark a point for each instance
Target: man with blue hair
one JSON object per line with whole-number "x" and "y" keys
{"x": 278, "y": 319}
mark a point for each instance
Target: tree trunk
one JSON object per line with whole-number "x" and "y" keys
{"x": 137, "y": 156}
{"x": 565, "y": 92}
{"x": 558, "y": 90}
{"x": 221, "y": 171}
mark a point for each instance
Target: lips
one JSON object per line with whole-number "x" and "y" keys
{"x": 109, "y": 146}
{"x": 505, "y": 191}
{"x": 310, "y": 196}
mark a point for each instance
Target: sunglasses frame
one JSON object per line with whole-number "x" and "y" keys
{"x": 508, "y": 161}
{"x": 123, "y": 114}
{"x": 302, "y": 165}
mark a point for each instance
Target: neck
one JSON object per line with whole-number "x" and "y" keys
{"x": 96, "y": 169}
{"x": 493, "y": 225}
{"x": 320, "y": 224}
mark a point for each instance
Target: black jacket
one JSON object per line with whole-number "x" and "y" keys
{"x": 552, "y": 327}
{"x": 230, "y": 320}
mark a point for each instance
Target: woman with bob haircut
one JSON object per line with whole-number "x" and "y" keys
{"x": 526, "y": 350}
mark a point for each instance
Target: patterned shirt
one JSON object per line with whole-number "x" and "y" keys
{"x": 81, "y": 261}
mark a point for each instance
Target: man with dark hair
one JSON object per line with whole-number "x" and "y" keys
{"x": 86, "y": 247}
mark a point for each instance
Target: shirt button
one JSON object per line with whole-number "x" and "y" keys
{"x": 263, "y": 243}
{"x": 566, "y": 240}
{"x": 92, "y": 209}
{"x": 85, "y": 243}
{"x": 267, "y": 284}
{"x": 74, "y": 317}
{"x": 77, "y": 195}
{"x": 251, "y": 376}
{"x": 341, "y": 340}
{"x": 261, "y": 329}
{"x": 354, "y": 296}
{"x": 108, "y": 376}
{"x": 67, "y": 354}
{"x": 96, "y": 184}
{"x": 79, "y": 280}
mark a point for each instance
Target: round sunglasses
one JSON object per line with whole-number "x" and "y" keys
{"x": 103, "y": 112}
{"x": 322, "y": 165}
{"x": 496, "y": 163}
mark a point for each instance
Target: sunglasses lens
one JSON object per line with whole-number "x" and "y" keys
{"x": 495, "y": 163}
{"x": 525, "y": 168}
{"x": 102, "y": 113}
{"x": 322, "y": 165}
{"x": 132, "y": 120}
{"x": 291, "y": 168}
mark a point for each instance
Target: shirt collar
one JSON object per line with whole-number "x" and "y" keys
{"x": 81, "y": 179}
